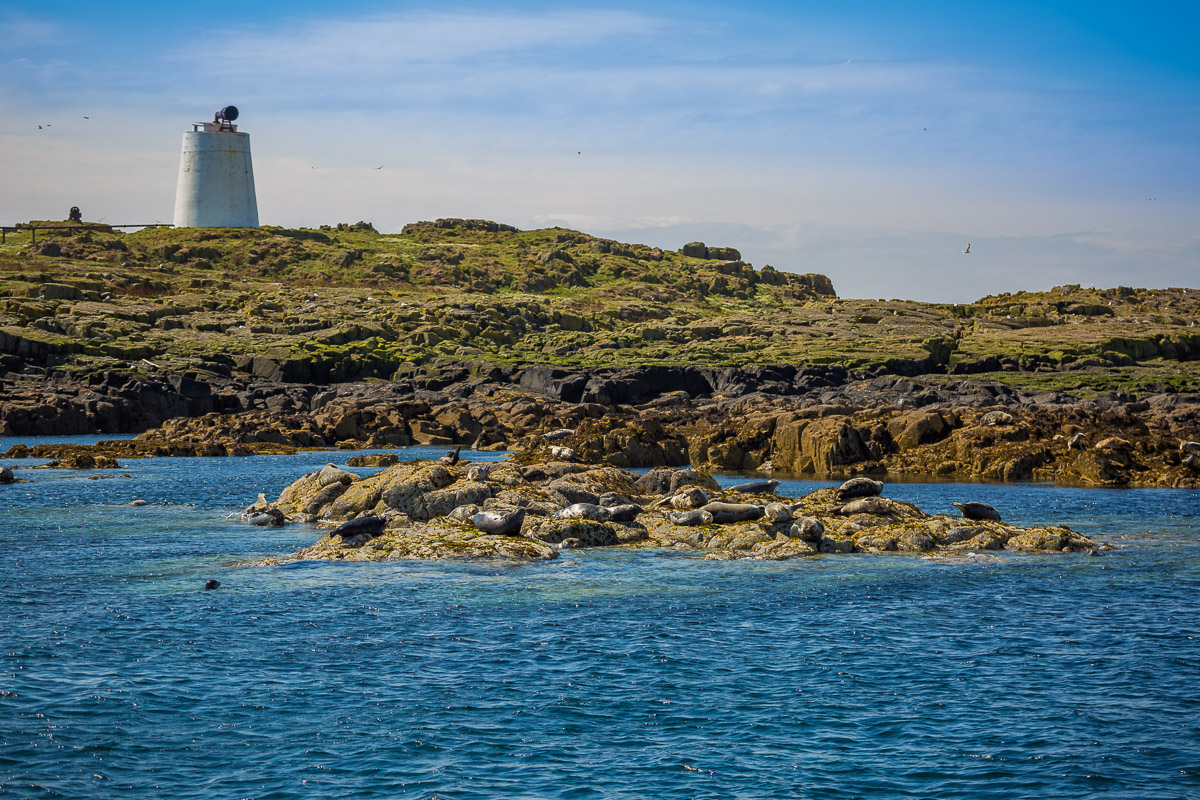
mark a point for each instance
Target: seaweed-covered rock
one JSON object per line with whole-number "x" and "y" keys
{"x": 668, "y": 480}
{"x": 432, "y": 510}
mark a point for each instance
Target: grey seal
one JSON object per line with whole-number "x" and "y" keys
{"x": 612, "y": 500}
{"x": 733, "y": 512}
{"x": 331, "y": 473}
{"x": 755, "y": 487}
{"x": 689, "y": 518}
{"x": 809, "y": 529}
{"x": 502, "y": 523}
{"x": 210, "y": 584}
{"x": 372, "y": 526}
{"x": 6, "y": 475}
{"x": 978, "y": 511}
{"x": 581, "y": 511}
{"x": 778, "y": 512}
{"x": 868, "y": 505}
{"x": 451, "y": 458}
{"x": 626, "y": 512}
{"x": 859, "y": 487}
{"x": 271, "y": 518}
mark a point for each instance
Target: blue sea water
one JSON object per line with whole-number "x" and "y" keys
{"x": 607, "y": 674}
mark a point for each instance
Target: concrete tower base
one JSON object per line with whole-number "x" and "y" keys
{"x": 216, "y": 179}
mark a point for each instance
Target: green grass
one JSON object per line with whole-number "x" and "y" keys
{"x": 358, "y": 303}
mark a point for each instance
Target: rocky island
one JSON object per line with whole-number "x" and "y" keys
{"x": 532, "y": 511}
{"x": 473, "y": 333}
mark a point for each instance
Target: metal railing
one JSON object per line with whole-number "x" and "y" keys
{"x": 104, "y": 227}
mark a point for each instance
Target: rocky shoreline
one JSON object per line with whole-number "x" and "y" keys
{"x": 432, "y": 510}
{"x": 827, "y": 422}
{"x": 472, "y": 333}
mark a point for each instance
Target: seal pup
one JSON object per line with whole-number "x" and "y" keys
{"x": 372, "y": 526}
{"x": 451, "y": 457}
{"x": 978, "y": 511}
{"x": 502, "y": 523}
{"x": 859, "y": 487}
{"x": 755, "y": 487}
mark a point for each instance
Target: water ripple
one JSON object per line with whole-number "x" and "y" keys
{"x": 629, "y": 674}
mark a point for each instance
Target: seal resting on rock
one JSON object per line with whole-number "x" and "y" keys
{"x": 755, "y": 487}
{"x": 733, "y": 512}
{"x": 689, "y": 498}
{"x": 627, "y": 512}
{"x": 978, "y": 511}
{"x": 372, "y": 526}
{"x": 331, "y": 473}
{"x": 868, "y": 505}
{"x": 581, "y": 511}
{"x": 859, "y": 487}
{"x": 451, "y": 458}
{"x": 612, "y": 500}
{"x": 503, "y": 523}
{"x": 689, "y": 518}
{"x": 778, "y": 512}
{"x": 809, "y": 529}
{"x": 6, "y": 475}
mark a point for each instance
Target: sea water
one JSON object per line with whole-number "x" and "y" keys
{"x": 603, "y": 674}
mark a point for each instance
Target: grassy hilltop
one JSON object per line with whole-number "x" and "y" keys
{"x": 347, "y": 303}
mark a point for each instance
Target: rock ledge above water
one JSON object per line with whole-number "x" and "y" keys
{"x": 427, "y": 509}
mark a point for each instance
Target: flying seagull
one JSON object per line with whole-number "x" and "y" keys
{"x": 968, "y": 248}
{"x": 379, "y": 167}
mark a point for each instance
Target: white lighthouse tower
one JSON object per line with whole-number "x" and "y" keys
{"x": 216, "y": 180}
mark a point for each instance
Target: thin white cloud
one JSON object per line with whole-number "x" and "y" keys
{"x": 378, "y": 46}
{"x": 21, "y": 30}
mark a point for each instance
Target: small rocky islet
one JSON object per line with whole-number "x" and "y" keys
{"x": 437, "y": 510}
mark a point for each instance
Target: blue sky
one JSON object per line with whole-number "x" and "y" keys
{"x": 869, "y": 141}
